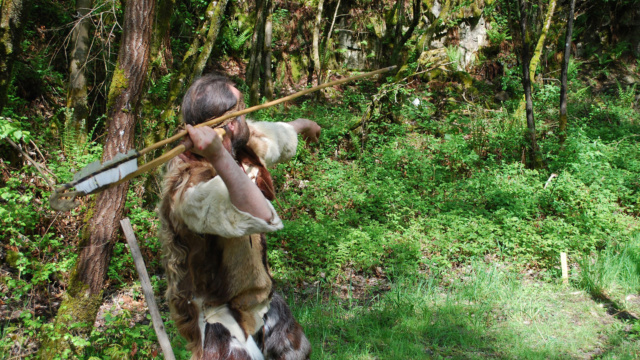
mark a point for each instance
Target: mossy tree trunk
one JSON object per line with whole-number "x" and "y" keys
{"x": 268, "y": 36}
{"x": 84, "y": 296}
{"x": 195, "y": 58}
{"x": 315, "y": 51}
{"x": 537, "y": 53}
{"x": 535, "y": 59}
{"x": 12, "y": 20}
{"x": 77, "y": 91}
{"x": 400, "y": 38}
{"x": 255, "y": 59}
{"x": 534, "y": 153}
{"x": 562, "y": 125}
{"x": 161, "y": 57}
{"x": 424, "y": 41}
{"x": 328, "y": 43}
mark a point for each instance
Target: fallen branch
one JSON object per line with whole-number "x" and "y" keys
{"x": 33, "y": 162}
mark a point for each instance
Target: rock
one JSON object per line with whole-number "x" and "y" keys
{"x": 472, "y": 39}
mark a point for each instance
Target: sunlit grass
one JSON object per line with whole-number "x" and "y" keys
{"x": 479, "y": 312}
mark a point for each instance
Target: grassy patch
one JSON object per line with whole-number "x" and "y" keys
{"x": 479, "y": 312}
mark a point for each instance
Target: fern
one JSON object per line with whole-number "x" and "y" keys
{"x": 234, "y": 41}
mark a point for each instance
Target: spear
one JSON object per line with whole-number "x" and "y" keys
{"x": 97, "y": 177}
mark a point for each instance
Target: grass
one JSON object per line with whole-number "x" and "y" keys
{"x": 478, "y": 312}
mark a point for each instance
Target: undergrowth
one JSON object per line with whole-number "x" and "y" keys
{"x": 412, "y": 192}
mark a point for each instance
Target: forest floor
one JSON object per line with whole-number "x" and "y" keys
{"x": 483, "y": 312}
{"x": 479, "y": 311}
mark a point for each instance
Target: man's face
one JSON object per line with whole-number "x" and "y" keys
{"x": 238, "y": 128}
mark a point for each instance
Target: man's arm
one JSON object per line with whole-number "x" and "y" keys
{"x": 309, "y": 130}
{"x": 276, "y": 142}
{"x": 243, "y": 193}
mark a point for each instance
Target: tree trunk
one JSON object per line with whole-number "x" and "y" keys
{"x": 535, "y": 59}
{"x": 257, "y": 44}
{"x": 268, "y": 35}
{"x": 534, "y": 159}
{"x": 317, "y": 67}
{"x": 399, "y": 23}
{"x": 12, "y": 20}
{"x": 84, "y": 296}
{"x": 76, "y": 124}
{"x": 191, "y": 60}
{"x": 328, "y": 42}
{"x": 212, "y": 35}
{"x": 424, "y": 41}
{"x": 401, "y": 40}
{"x": 562, "y": 126}
{"x": 161, "y": 57}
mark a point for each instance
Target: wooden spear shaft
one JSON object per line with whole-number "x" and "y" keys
{"x": 158, "y": 324}
{"x": 58, "y": 194}
{"x": 181, "y": 148}
{"x": 263, "y": 106}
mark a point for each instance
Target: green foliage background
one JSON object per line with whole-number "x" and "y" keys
{"x": 418, "y": 189}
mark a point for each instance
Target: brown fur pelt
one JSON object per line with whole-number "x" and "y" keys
{"x": 179, "y": 293}
{"x": 282, "y": 338}
{"x": 212, "y": 269}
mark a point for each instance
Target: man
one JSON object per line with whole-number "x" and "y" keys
{"x": 214, "y": 213}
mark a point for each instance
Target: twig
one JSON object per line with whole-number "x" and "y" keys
{"x": 158, "y": 325}
{"x": 43, "y": 159}
{"x": 35, "y": 164}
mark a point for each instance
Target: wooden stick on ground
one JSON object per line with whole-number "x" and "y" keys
{"x": 565, "y": 268}
{"x": 158, "y": 325}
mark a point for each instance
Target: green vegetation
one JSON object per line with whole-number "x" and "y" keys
{"x": 413, "y": 230}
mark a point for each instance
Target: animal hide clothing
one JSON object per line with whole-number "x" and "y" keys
{"x": 214, "y": 254}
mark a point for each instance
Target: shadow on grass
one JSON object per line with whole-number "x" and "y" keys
{"x": 486, "y": 316}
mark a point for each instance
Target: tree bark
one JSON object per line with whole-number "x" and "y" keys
{"x": 12, "y": 19}
{"x": 402, "y": 39}
{"x": 161, "y": 57}
{"x": 76, "y": 124}
{"x": 534, "y": 159}
{"x": 424, "y": 41}
{"x": 268, "y": 35}
{"x": 205, "y": 51}
{"x": 562, "y": 126}
{"x": 328, "y": 42}
{"x": 194, "y": 59}
{"x": 317, "y": 67}
{"x": 535, "y": 59}
{"x": 257, "y": 44}
{"x": 84, "y": 295}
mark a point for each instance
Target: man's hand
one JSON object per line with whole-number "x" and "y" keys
{"x": 204, "y": 141}
{"x": 309, "y": 130}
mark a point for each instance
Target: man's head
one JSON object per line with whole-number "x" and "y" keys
{"x": 213, "y": 96}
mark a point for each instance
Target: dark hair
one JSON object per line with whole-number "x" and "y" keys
{"x": 209, "y": 96}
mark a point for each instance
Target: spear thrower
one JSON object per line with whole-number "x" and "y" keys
{"x": 97, "y": 177}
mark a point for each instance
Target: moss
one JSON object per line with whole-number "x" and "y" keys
{"x": 12, "y": 258}
{"x": 74, "y": 320}
{"x": 296, "y": 67}
{"x": 119, "y": 83}
{"x": 378, "y": 25}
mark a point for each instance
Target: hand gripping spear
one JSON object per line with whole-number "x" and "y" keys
{"x": 97, "y": 177}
